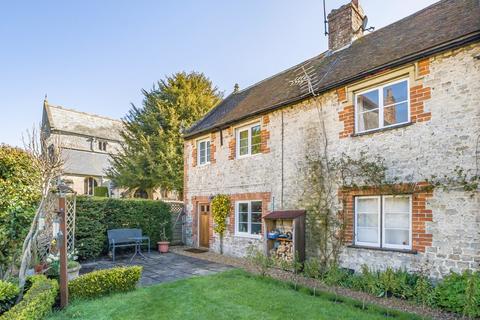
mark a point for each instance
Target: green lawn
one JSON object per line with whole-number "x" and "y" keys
{"x": 233, "y": 294}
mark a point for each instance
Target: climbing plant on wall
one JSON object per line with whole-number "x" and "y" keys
{"x": 220, "y": 210}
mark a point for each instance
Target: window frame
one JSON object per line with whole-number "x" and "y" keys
{"x": 381, "y": 223}
{"x": 249, "y": 139}
{"x": 381, "y": 106}
{"x": 247, "y": 234}
{"x": 199, "y": 142}
{"x": 102, "y": 145}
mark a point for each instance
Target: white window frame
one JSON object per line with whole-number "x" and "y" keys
{"x": 206, "y": 149}
{"x": 381, "y": 223}
{"x": 381, "y": 106}
{"x": 393, "y": 246}
{"x": 237, "y": 139}
{"x": 368, "y": 244}
{"x": 249, "y": 222}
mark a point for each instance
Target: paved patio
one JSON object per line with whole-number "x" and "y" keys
{"x": 158, "y": 268}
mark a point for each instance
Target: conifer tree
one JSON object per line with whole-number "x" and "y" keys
{"x": 152, "y": 155}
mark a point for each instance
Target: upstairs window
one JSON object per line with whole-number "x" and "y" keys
{"x": 102, "y": 145}
{"x": 382, "y": 107}
{"x": 384, "y": 221}
{"x": 89, "y": 184}
{"x": 248, "y": 140}
{"x": 203, "y": 152}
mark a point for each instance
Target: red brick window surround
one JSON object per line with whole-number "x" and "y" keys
{"x": 420, "y": 215}
{"x": 418, "y": 94}
{"x": 255, "y": 138}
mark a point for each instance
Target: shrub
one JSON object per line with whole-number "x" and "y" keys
{"x": 37, "y": 301}
{"x": 259, "y": 260}
{"x": 104, "y": 282}
{"x": 423, "y": 291}
{"x": 8, "y": 295}
{"x": 96, "y": 215}
{"x": 100, "y": 192}
{"x": 459, "y": 293}
{"x": 338, "y": 277}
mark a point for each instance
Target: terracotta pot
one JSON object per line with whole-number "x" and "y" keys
{"x": 163, "y": 246}
{"x": 40, "y": 267}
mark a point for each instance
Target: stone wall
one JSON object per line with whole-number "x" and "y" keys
{"x": 441, "y": 138}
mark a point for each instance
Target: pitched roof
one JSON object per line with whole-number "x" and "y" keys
{"x": 443, "y": 25}
{"x": 85, "y": 162}
{"x": 72, "y": 121}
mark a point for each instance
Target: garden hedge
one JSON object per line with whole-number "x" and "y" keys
{"x": 8, "y": 295}
{"x": 37, "y": 301}
{"x": 100, "y": 191}
{"x": 97, "y": 215}
{"x": 103, "y": 282}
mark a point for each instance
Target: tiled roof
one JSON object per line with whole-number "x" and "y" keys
{"x": 83, "y": 162}
{"x": 68, "y": 120}
{"x": 441, "y": 26}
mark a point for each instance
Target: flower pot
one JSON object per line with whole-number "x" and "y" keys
{"x": 163, "y": 246}
{"x": 73, "y": 273}
{"x": 39, "y": 268}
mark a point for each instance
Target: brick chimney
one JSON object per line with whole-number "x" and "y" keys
{"x": 344, "y": 25}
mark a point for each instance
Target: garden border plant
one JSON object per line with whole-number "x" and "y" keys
{"x": 220, "y": 210}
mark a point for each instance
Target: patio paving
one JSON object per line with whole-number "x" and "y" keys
{"x": 158, "y": 268}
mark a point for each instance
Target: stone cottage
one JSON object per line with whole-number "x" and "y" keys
{"x": 408, "y": 92}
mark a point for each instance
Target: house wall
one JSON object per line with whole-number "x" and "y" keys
{"x": 445, "y": 114}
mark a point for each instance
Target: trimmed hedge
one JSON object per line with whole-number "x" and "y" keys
{"x": 104, "y": 282}
{"x": 8, "y": 294}
{"x": 100, "y": 192}
{"x": 96, "y": 215}
{"x": 37, "y": 301}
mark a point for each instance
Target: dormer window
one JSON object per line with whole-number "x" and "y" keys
{"x": 102, "y": 145}
{"x": 382, "y": 107}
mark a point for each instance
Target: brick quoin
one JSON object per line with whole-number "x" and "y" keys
{"x": 265, "y": 135}
{"x": 418, "y": 95}
{"x": 341, "y": 94}
{"x": 185, "y": 172}
{"x": 423, "y": 67}
{"x": 194, "y": 154}
{"x": 347, "y": 116}
{"x": 420, "y": 214}
{"x": 213, "y": 148}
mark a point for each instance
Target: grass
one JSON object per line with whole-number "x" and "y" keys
{"x": 234, "y": 294}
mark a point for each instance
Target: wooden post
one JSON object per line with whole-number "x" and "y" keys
{"x": 62, "y": 246}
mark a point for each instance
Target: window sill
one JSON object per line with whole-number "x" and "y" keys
{"x": 410, "y": 251}
{"x": 247, "y": 156}
{"x": 248, "y": 236}
{"x": 382, "y": 129}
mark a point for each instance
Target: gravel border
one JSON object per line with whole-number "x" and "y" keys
{"x": 391, "y": 303}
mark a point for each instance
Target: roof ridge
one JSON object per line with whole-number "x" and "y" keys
{"x": 82, "y": 112}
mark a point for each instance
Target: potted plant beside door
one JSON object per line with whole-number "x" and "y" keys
{"x": 163, "y": 244}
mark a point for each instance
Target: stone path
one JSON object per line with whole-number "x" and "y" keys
{"x": 158, "y": 268}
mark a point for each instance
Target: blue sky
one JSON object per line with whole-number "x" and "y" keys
{"x": 96, "y": 56}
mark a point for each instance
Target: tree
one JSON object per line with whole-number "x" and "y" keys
{"x": 152, "y": 155}
{"x": 19, "y": 193}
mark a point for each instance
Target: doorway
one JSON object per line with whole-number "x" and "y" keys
{"x": 204, "y": 211}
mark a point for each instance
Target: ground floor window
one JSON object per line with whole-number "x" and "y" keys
{"x": 248, "y": 218}
{"x": 89, "y": 185}
{"x": 384, "y": 221}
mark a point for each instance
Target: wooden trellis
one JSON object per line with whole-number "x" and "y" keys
{"x": 46, "y": 226}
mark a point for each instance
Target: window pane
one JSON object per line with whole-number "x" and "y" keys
{"x": 208, "y": 151}
{"x": 367, "y": 101}
{"x": 369, "y": 205}
{"x": 243, "y": 227}
{"x": 243, "y": 142}
{"x": 396, "y": 237}
{"x": 243, "y": 217}
{"x": 397, "y": 220}
{"x": 257, "y": 206}
{"x": 395, "y": 93}
{"x": 367, "y": 220}
{"x": 256, "y": 228}
{"x": 256, "y": 139}
{"x": 367, "y": 235}
{"x": 397, "y": 113}
{"x": 256, "y": 217}
{"x": 399, "y": 204}
{"x": 368, "y": 120}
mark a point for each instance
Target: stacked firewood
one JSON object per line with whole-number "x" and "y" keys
{"x": 284, "y": 251}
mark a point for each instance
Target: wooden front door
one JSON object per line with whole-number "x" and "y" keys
{"x": 204, "y": 234}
